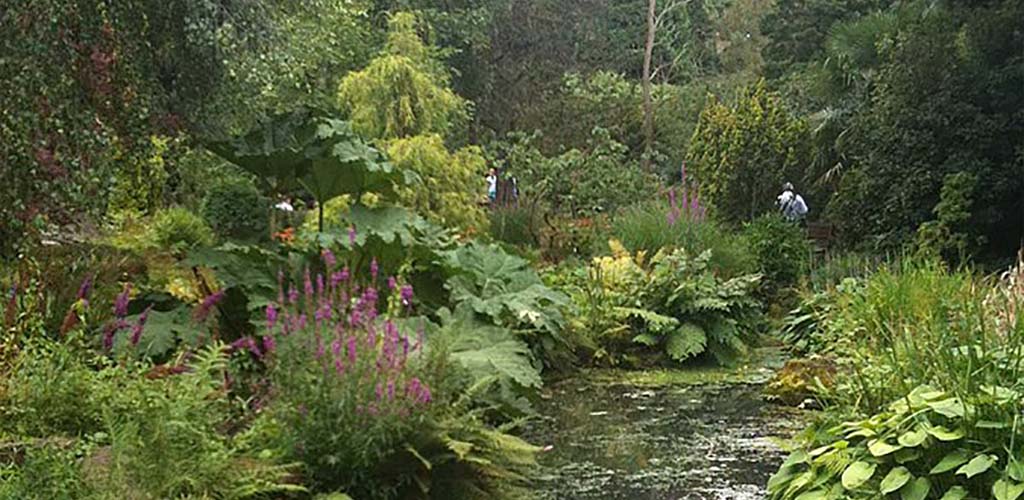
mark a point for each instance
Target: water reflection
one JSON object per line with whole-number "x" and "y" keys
{"x": 620, "y": 441}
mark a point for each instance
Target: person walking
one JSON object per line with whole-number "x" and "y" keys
{"x": 492, "y": 185}
{"x": 791, "y": 204}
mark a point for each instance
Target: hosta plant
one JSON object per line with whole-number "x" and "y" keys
{"x": 929, "y": 444}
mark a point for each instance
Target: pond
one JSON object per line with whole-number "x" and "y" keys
{"x": 687, "y": 434}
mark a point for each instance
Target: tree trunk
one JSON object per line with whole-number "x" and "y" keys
{"x": 648, "y": 105}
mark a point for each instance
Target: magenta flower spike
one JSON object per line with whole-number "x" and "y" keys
{"x": 84, "y": 289}
{"x": 329, "y": 260}
{"x": 271, "y": 316}
{"x": 406, "y": 294}
{"x": 293, "y": 294}
{"x": 308, "y": 285}
{"x": 202, "y": 311}
{"x": 121, "y": 302}
{"x": 374, "y": 269}
{"x": 352, "y": 349}
{"x": 392, "y": 283}
{"x": 269, "y": 344}
{"x": 139, "y": 325}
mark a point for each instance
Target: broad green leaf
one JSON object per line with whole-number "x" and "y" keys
{"x": 813, "y": 495}
{"x": 880, "y": 448}
{"x": 944, "y": 434}
{"x": 950, "y": 407}
{"x": 977, "y": 465}
{"x": 955, "y": 493}
{"x": 857, "y": 474}
{"x": 1007, "y": 490}
{"x": 952, "y": 460}
{"x": 913, "y": 438}
{"x": 907, "y": 455}
{"x": 1015, "y": 470}
{"x": 916, "y": 490}
{"x": 895, "y": 479}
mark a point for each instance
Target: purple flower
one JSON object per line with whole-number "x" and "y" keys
{"x": 424, "y": 396}
{"x": 121, "y": 302}
{"x": 374, "y": 268}
{"x": 352, "y": 235}
{"x": 204, "y": 308}
{"x": 271, "y": 316}
{"x": 83, "y": 291}
{"x": 336, "y": 348}
{"x": 392, "y": 283}
{"x": 308, "y": 285}
{"x": 391, "y": 390}
{"x": 345, "y": 274}
{"x": 293, "y": 294}
{"x": 406, "y": 294}
{"x": 246, "y": 343}
{"x": 329, "y": 259}
{"x": 269, "y": 344}
{"x": 139, "y": 325}
{"x": 352, "y": 350}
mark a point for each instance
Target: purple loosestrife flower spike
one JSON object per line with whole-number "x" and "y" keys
{"x": 345, "y": 273}
{"x": 271, "y": 316}
{"x": 352, "y": 350}
{"x": 319, "y": 284}
{"x": 83, "y": 291}
{"x": 374, "y": 269}
{"x": 329, "y": 260}
{"x": 392, "y": 283}
{"x": 269, "y": 344}
{"x": 121, "y": 302}
{"x": 139, "y": 325}
{"x": 293, "y": 294}
{"x": 686, "y": 203}
{"x": 391, "y": 390}
{"x": 406, "y": 294}
{"x": 204, "y": 308}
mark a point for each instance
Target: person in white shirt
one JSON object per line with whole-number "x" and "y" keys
{"x": 791, "y": 204}
{"x": 492, "y": 185}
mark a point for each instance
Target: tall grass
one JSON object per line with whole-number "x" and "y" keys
{"x": 920, "y": 323}
{"x": 650, "y": 227}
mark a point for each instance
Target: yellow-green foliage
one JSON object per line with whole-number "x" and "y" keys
{"x": 138, "y": 185}
{"x": 404, "y": 91}
{"x": 451, "y": 182}
{"x": 742, "y": 154}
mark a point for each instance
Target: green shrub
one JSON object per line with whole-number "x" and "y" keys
{"x": 673, "y": 302}
{"x": 781, "y": 251}
{"x": 178, "y": 230}
{"x": 646, "y": 227}
{"x": 236, "y": 209}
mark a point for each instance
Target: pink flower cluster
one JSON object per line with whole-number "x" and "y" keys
{"x": 689, "y": 206}
{"x": 336, "y": 322}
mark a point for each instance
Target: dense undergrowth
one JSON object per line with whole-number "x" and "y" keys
{"x": 929, "y": 398}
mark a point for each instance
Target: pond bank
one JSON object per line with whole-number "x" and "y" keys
{"x": 659, "y": 435}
